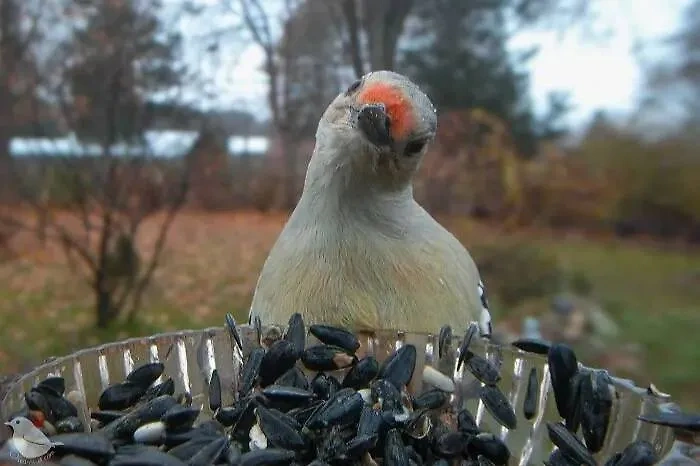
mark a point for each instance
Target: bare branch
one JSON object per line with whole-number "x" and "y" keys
{"x": 59, "y": 234}
{"x": 154, "y": 260}
{"x": 99, "y": 80}
{"x": 260, "y": 29}
{"x": 349, "y": 8}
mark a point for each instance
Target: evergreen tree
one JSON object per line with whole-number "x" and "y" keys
{"x": 671, "y": 102}
{"x": 457, "y": 50}
{"x": 122, "y": 59}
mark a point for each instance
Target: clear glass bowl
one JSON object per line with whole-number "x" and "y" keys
{"x": 191, "y": 356}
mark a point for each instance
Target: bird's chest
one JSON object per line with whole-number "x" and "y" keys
{"x": 363, "y": 278}
{"x": 364, "y": 259}
{"x": 380, "y": 273}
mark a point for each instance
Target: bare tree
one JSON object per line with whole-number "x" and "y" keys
{"x": 110, "y": 180}
{"x": 313, "y": 65}
{"x": 260, "y": 23}
{"x": 371, "y": 31}
{"x": 299, "y": 78}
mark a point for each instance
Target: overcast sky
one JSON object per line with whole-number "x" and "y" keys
{"x": 600, "y": 72}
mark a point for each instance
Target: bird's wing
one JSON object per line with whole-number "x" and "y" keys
{"x": 36, "y": 437}
{"x": 34, "y": 443}
{"x": 47, "y": 446}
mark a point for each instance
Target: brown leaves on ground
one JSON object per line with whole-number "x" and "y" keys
{"x": 209, "y": 266}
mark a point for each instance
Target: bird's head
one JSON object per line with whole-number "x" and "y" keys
{"x": 376, "y": 131}
{"x": 20, "y": 426}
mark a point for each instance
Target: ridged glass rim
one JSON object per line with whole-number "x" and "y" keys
{"x": 644, "y": 396}
{"x": 58, "y": 360}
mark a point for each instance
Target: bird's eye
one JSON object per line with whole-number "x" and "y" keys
{"x": 353, "y": 87}
{"x": 414, "y": 147}
{"x": 17, "y": 422}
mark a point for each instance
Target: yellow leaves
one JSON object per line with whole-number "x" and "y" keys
{"x": 646, "y": 175}
{"x": 473, "y": 166}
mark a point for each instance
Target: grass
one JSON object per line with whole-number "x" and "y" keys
{"x": 212, "y": 261}
{"x": 655, "y": 298}
{"x": 651, "y": 291}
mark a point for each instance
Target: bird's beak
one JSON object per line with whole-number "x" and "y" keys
{"x": 374, "y": 122}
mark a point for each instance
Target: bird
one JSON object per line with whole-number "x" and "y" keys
{"x": 358, "y": 250}
{"x": 28, "y": 441}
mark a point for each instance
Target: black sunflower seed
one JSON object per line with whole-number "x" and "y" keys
{"x": 532, "y": 393}
{"x": 498, "y": 405}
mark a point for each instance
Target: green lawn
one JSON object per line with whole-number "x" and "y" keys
{"x": 652, "y": 292}
{"x": 655, "y": 298}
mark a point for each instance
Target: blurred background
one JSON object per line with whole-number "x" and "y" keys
{"x": 151, "y": 151}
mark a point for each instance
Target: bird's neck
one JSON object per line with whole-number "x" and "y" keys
{"x": 367, "y": 201}
{"x": 337, "y": 203}
{"x": 344, "y": 192}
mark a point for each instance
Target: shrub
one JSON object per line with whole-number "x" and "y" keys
{"x": 561, "y": 191}
{"x": 8, "y": 231}
{"x": 514, "y": 272}
{"x": 655, "y": 183}
{"x": 579, "y": 283}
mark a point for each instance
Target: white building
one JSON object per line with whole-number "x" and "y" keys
{"x": 158, "y": 143}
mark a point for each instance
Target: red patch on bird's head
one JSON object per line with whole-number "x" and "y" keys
{"x": 398, "y": 106}
{"x": 37, "y": 418}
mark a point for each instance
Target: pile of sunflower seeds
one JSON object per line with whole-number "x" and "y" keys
{"x": 283, "y": 416}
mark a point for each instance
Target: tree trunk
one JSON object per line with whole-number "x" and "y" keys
{"x": 104, "y": 307}
{"x": 349, "y": 9}
{"x": 383, "y": 22}
{"x": 6, "y": 182}
{"x": 8, "y": 16}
